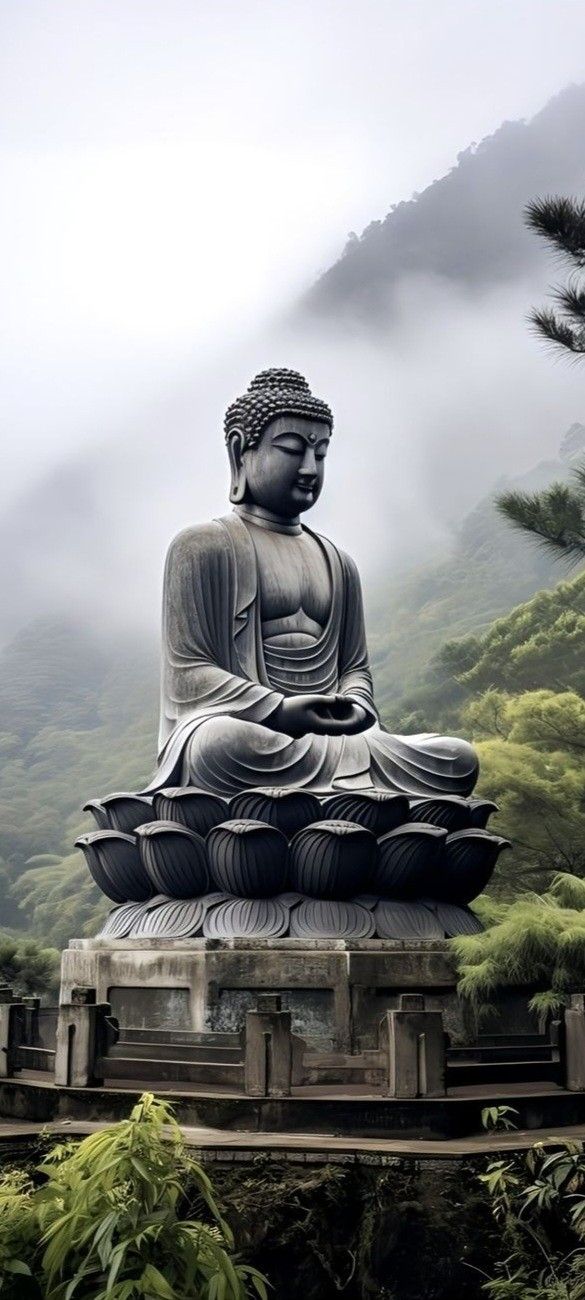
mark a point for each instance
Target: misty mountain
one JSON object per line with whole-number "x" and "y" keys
{"x": 492, "y": 568}
{"x": 466, "y": 227}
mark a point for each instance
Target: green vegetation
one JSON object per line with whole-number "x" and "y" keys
{"x": 124, "y": 1214}
{"x": 536, "y": 940}
{"x": 538, "y": 1204}
{"x": 27, "y": 967}
{"x": 78, "y": 721}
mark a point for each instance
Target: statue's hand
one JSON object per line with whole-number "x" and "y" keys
{"x": 321, "y": 715}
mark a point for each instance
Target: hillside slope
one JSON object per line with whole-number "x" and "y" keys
{"x": 466, "y": 227}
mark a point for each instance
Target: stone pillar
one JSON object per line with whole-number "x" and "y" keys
{"x": 414, "y": 1042}
{"x": 11, "y": 1031}
{"x": 81, "y": 1040}
{"x": 572, "y": 1043}
{"x": 268, "y": 1059}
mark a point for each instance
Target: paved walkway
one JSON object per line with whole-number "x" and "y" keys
{"x": 221, "y": 1144}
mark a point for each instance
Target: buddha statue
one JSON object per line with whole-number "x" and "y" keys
{"x": 266, "y": 680}
{"x": 280, "y": 806}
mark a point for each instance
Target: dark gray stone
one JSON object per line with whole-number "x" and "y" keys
{"x": 248, "y": 858}
{"x": 115, "y": 864}
{"x": 174, "y": 858}
{"x": 332, "y": 859}
{"x": 408, "y": 860}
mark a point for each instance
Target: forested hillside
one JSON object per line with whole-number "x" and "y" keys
{"x": 490, "y": 570}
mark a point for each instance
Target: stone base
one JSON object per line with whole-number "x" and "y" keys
{"x": 336, "y": 990}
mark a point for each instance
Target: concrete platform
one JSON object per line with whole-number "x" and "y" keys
{"x": 346, "y": 1115}
{"x": 210, "y": 1144}
{"x": 337, "y": 991}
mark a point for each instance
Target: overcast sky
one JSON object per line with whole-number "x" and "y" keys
{"x": 174, "y": 173}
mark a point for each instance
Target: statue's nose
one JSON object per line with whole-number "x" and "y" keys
{"x": 308, "y": 467}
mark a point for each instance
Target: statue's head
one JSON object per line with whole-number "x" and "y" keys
{"x": 277, "y": 436}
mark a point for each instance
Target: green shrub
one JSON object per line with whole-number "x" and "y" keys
{"x": 105, "y": 1224}
{"x": 537, "y": 940}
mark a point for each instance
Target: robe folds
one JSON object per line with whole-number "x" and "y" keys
{"x": 219, "y": 687}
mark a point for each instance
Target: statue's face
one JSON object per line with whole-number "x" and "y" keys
{"x": 285, "y": 471}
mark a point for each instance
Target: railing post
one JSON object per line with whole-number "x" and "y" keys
{"x": 11, "y": 1031}
{"x": 81, "y": 1038}
{"x": 31, "y": 1020}
{"x": 413, "y": 1040}
{"x": 268, "y": 1054}
{"x": 572, "y": 1044}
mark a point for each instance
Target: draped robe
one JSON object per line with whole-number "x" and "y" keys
{"x": 220, "y": 684}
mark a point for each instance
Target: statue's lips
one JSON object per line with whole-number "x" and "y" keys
{"x": 307, "y": 489}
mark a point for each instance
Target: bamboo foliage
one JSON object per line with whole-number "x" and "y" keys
{"x": 124, "y": 1214}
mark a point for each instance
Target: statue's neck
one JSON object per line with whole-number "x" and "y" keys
{"x": 267, "y": 519}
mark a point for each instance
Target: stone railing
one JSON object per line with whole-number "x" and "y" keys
{"x": 412, "y": 1058}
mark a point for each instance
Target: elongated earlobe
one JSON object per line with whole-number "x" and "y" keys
{"x": 238, "y": 474}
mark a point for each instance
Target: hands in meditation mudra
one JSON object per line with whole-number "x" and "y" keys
{"x": 266, "y": 679}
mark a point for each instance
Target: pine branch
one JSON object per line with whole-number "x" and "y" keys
{"x": 558, "y": 331}
{"x": 562, "y": 222}
{"x": 556, "y": 517}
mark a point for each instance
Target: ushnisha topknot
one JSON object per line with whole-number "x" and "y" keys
{"x": 272, "y": 393}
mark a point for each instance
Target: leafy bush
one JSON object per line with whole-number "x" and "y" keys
{"x": 538, "y": 940}
{"x": 538, "y": 1203}
{"x": 106, "y": 1222}
{"x": 27, "y": 967}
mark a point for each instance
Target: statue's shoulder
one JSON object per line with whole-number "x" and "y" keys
{"x": 348, "y": 564}
{"x": 198, "y": 541}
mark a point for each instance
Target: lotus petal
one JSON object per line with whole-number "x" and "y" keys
{"x": 408, "y": 859}
{"x": 119, "y": 922}
{"x": 121, "y": 811}
{"x": 332, "y": 859}
{"x": 288, "y": 810}
{"x": 174, "y": 858}
{"x": 367, "y": 900}
{"x": 481, "y": 811}
{"x": 378, "y": 811}
{"x": 195, "y": 809}
{"x": 99, "y": 814}
{"x": 469, "y": 861}
{"x": 322, "y": 918}
{"x": 248, "y": 858}
{"x": 454, "y": 920}
{"x": 395, "y": 920}
{"x": 449, "y": 811}
{"x": 114, "y": 862}
{"x": 247, "y": 918}
{"x": 175, "y": 919}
